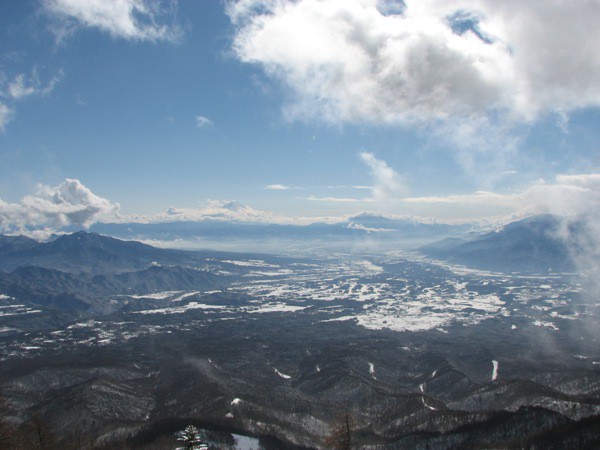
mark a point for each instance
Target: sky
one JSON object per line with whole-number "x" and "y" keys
{"x": 296, "y": 111}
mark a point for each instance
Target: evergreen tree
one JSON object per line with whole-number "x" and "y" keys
{"x": 190, "y": 438}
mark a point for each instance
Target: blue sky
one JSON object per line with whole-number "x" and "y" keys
{"x": 474, "y": 110}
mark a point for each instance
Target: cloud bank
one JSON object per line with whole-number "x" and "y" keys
{"x": 567, "y": 195}
{"x": 391, "y": 62}
{"x": 50, "y": 208}
{"x": 221, "y": 211}
{"x": 576, "y": 197}
{"x": 137, "y": 20}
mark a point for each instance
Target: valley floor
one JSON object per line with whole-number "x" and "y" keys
{"x": 417, "y": 354}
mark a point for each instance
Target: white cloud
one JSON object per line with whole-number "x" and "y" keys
{"x": 70, "y": 203}
{"x": 277, "y": 187}
{"x": 360, "y": 61}
{"x": 388, "y": 186}
{"x": 203, "y": 122}
{"x": 139, "y": 20}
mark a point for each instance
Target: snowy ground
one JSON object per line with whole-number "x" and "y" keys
{"x": 401, "y": 292}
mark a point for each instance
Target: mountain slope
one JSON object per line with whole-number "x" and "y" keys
{"x": 85, "y": 252}
{"x": 67, "y": 291}
{"x": 15, "y": 244}
{"x": 528, "y": 245}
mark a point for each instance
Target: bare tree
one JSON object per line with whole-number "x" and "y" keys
{"x": 341, "y": 435}
{"x": 7, "y": 429}
{"x": 40, "y": 435}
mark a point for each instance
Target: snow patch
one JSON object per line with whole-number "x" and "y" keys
{"x": 426, "y": 405}
{"x": 282, "y": 375}
{"x": 156, "y": 295}
{"x": 540, "y": 323}
{"x": 371, "y": 368}
{"x": 183, "y": 296}
{"x": 280, "y": 307}
{"x": 179, "y": 309}
{"x": 250, "y": 263}
{"x": 368, "y": 266}
{"x": 495, "y": 370}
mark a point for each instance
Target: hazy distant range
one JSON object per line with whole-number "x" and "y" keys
{"x": 528, "y": 245}
{"x": 363, "y": 232}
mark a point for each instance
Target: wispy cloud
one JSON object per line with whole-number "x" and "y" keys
{"x": 24, "y": 86}
{"x": 387, "y": 188}
{"x": 203, "y": 122}
{"x": 388, "y": 185}
{"x": 569, "y": 195}
{"x": 20, "y": 87}
{"x": 137, "y": 20}
{"x": 277, "y": 187}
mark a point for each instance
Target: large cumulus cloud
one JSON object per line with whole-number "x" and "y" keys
{"x": 50, "y": 208}
{"x": 424, "y": 60}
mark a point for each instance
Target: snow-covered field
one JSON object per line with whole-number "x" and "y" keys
{"x": 421, "y": 302}
{"x": 401, "y": 293}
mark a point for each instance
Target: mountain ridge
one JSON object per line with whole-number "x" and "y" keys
{"x": 533, "y": 244}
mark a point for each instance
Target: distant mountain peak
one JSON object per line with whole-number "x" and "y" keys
{"x": 83, "y": 237}
{"x": 234, "y": 206}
